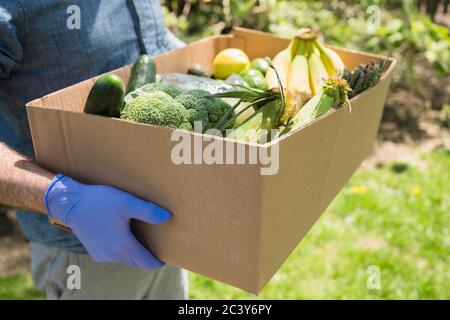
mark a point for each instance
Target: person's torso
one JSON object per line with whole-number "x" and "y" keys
{"x": 56, "y": 53}
{"x": 61, "y": 48}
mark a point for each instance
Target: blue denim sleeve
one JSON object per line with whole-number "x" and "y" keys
{"x": 10, "y": 48}
{"x": 172, "y": 42}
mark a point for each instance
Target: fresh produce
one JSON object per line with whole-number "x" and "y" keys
{"x": 298, "y": 79}
{"x": 199, "y": 70}
{"x": 171, "y": 90}
{"x": 142, "y": 72}
{"x": 303, "y": 67}
{"x": 303, "y": 82}
{"x": 106, "y": 96}
{"x": 229, "y": 61}
{"x": 157, "y": 108}
{"x": 282, "y": 62}
{"x": 332, "y": 95}
{"x": 270, "y": 106}
{"x": 365, "y": 76}
{"x": 257, "y": 128}
{"x": 202, "y": 107}
{"x": 260, "y": 64}
{"x": 331, "y": 60}
{"x": 244, "y": 115}
{"x": 254, "y": 78}
{"x": 317, "y": 72}
{"x": 275, "y": 109}
{"x": 254, "y": 99}
{"x": 198, "y": 105}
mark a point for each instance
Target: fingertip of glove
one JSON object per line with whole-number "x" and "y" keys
{"x": 149, "y": 212}
{"x": 161, "y": 215}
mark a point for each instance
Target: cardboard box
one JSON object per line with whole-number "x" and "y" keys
{"x": 230, "y": 222}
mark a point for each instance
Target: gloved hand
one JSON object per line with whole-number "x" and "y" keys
{"x": 100, "y": 218}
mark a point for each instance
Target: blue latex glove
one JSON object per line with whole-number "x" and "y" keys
{"x": 100, "y": 218}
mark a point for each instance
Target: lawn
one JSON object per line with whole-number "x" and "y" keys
{"x": 394, "y": 218}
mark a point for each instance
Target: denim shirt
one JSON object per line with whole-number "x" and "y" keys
{"x": 43, "y": 50}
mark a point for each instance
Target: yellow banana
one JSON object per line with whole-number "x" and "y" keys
{"x": 282, "y": 62}
{"x": 331, "y": 60}
{"x": 336, "y": 61}
{"x": 317, "y": 72}
{"x": 298, "y": 79}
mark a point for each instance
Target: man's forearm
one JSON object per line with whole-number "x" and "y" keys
{"x": 22, "y": 182}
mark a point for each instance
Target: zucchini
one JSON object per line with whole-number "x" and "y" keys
{"x": 106, "y": 96}
{"x": 143, "y": 72}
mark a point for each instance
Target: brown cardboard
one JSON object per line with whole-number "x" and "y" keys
{"x": 229, "y": 222}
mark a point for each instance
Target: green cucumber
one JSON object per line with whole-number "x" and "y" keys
{"x": 143, "y": 72}
{"x": 106, "y": 96}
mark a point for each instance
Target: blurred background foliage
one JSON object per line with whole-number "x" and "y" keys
{"x": 396, "y": 28}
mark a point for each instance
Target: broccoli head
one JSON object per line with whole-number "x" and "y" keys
{"x": 171, "y": 89}
{"x": 157, "y": 108}
{"x": 202, "y": 107}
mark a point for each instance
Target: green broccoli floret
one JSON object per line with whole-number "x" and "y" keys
{"x": 157, "y": 108}
{"x": 171, "y": 89}
{"x": 202, "y": 108}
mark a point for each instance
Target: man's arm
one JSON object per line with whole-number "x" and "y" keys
{"x": 22, "y": 182}
{"x": 89, "y": 210}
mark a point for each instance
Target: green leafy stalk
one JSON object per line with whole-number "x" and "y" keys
{"x": 255, "y": 104}
{"x": 272, "y": 104}
{"x": 269, "y": 62}
{"x": 227, "y": 115}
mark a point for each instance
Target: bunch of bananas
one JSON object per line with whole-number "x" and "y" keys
{"x": 303, "y": 67}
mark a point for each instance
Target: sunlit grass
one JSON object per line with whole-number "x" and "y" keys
{"x": 394, "y": 219}
{"x": 18, "y": 287}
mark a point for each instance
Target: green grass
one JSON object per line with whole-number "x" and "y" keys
{"x": 18, "y": 287}
{"x": 395, "y": 217}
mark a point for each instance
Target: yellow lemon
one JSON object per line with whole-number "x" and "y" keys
{"x": 230, "y": 61}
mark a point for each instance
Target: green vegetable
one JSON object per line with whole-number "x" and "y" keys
{"x": 106, "y": 96}
{"x": 247, "y": 112}
{"x": 157, "y": 108}
{"x": 203, "y": 107}
{"x": 143, "y": 72}
{"x": 260, "y": 64}
{"x": 364, "y": 76}
{"x": 257, "y": 128}
{"x": 332, "y": 95}
{"x": 254, "y": 78}
{"x": 171, "y": 89}
{"x": 256, "y": 98}
{"x": 272, "y": 109}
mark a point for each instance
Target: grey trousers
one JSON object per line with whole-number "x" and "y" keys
{"x": 66, "y": 275}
